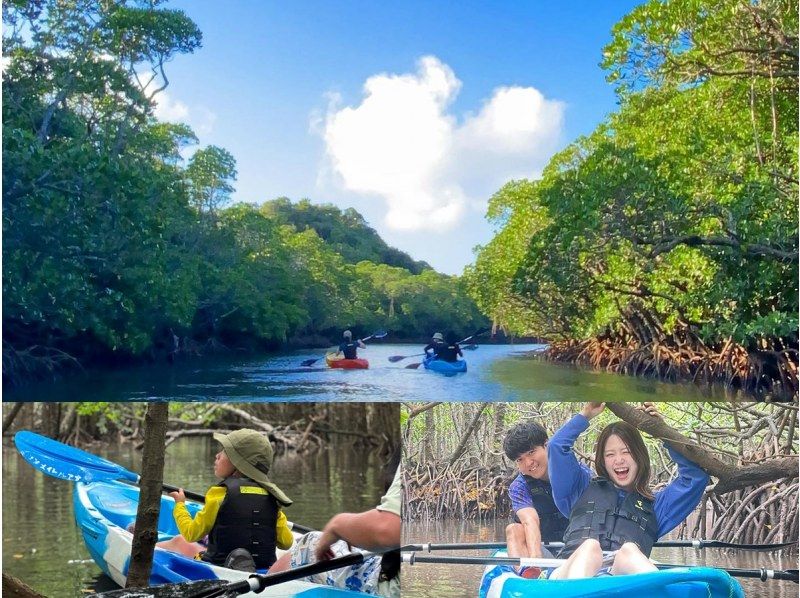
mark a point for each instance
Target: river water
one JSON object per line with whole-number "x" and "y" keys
{"x": 429, "y": 580}
{"x": 42, "y": 545}
{"x": 496, "y": 373}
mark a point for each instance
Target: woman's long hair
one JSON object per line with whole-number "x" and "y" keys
{"x": 633, "y": 440}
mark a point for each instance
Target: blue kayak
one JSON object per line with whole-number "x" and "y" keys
{"x": 104, "y": 510}
{"x": 445, "y": 367}
{"x": 684, "y": 582}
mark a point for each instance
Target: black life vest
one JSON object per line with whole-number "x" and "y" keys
{"x": 599, "y": 514}
{"x": 350, "y": 350}
{"x": 246, "y": 519}
{"x": 447, "y": 353}
{"x": 552, "y": 524}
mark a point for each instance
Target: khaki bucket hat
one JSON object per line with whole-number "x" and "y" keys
{"x": 251, "y": 454}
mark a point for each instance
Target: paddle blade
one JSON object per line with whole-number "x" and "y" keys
{"x": 66, "y": 462}
{"x": 413, "y": 366}
{"x": 396, "y": 358}
{"x": 469, "y": 347}
{"x": 379, "y": 334}
{"x": 309, "y": 362}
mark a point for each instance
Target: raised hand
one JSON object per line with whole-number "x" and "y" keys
{"x": 592, "y": 409}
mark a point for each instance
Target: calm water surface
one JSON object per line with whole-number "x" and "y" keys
{"x": 428, "y": 580}
{"x": 496, "y": 373}
{"x": 41, "y": 543}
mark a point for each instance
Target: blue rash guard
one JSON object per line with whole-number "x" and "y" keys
{"x": 569, "y": 478}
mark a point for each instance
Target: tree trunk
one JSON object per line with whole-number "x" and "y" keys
{"x": 472, "y": 427}
{"x": 11, "y": 415}
{"x": 150, "y": 483}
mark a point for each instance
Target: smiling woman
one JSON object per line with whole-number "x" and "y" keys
{"x": 615, "y": 511}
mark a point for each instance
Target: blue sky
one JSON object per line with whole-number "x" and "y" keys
{"x": 413, "y": 113}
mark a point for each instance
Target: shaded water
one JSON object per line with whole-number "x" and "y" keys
{"x": 496, "y": 373}
{"x": 42, "y": 545}
{"x": 428, "y": 580}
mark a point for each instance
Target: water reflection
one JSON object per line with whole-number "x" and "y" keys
{"x": 41, "y": 543}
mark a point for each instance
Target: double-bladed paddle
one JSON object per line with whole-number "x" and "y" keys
{"x": 411, "y": 558}
{"x": 413, "y": 366}
{"x": 70, "y": 463}
{"x": 376, "y": 334}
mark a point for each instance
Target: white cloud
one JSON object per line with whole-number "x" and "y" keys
{"x": 200, "y": 118}
{"x": 402, "y": 144}
{"x": 169, "y": 110}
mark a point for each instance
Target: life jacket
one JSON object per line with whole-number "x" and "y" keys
{"x": 552, "y": 523}
{"x": 447, "y": 353}
{"x": 246, "y": 519}
{"x": 599, "y": 514}
{"x": 350, "y": 350}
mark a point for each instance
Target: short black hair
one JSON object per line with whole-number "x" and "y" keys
{"x": 451, "y": 338}
{"x": 523, "y": 438}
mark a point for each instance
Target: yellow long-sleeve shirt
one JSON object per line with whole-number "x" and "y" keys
{"x": 199, "y": 527}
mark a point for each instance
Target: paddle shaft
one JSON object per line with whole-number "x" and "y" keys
{"x": 698, "y": 544}
{"x": 411, "y": 558}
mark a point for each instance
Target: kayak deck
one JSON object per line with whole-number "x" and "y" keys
{"x": 689, "y": 582}
{"x": 444, "y": 367}
{"x": 345, "y": 364}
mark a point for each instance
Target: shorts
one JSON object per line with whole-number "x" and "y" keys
{"x": 363, "y": 577}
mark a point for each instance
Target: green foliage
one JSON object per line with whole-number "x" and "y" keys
{"x": 210, "y": 173}
{"x": 345, "y": 231}
{"x": 683, "y": 205}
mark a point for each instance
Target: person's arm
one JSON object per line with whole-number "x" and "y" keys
{"x": 371, "y": 530}
{"x": 529, "y": 518}
{"x": 361, "y": 344}
{"x": 675, "y": 502}
{"x": 199, "y": 527}
{"x": 283, "y": 535}
{"x": 568, "y": 477}
{"x": 458, "y": 350}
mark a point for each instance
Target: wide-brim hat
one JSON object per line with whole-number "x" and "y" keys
{"x": 437, "y": 336}
{"x": 251, "y": 454}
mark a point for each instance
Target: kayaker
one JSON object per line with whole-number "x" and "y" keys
{"x": 449, "y": 351}
{"x": 535, "y": 517}
{"x": 615, "y": 511}
{"x": 432, "y": 348}
{"x": 242, "y": 514}
{"x": 350, "y": 347}
{"x": 377, "y": 529}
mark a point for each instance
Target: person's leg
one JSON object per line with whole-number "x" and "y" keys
{"x": 181, "y": 546}
{"x": 283, "y": 563}
{"x": 517, "y": 546}
{"x": 584, "y": 562}
{"x": 630, "y": 559}
{"x": 515, "y": 540}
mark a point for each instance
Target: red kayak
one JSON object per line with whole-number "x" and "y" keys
{"x": 345, "y": 364}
